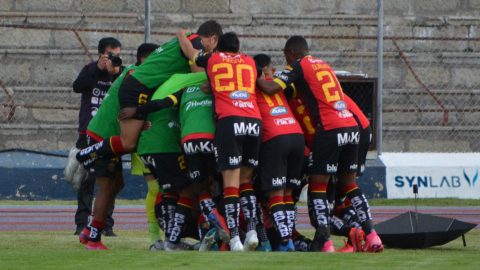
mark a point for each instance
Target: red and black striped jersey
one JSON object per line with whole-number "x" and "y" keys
{"x": 320, "y": 92}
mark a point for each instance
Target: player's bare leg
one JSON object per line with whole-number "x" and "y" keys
{"x": 129, "y": 134}
{"x": 105, "y": 196}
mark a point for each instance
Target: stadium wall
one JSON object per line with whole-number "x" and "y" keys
{"x": 39, "y": 65}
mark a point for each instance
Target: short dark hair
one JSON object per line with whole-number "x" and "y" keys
{"x": 209, "y": 29}
{"x": 262, "y": 60}
{"x": 297, "y": 43}
{"x": 108, "y": 42}
{"x": 145, "y": 50}
{"x": 228, "y": 42}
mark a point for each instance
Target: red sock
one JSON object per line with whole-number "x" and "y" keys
{"x": 245, "y": 187}
{"x": 347, "y": 189}
{"x": 117, "y": 146}
{"x": 188, "y": 202}
{"x": 230, "y": 191}
{"x": 318, "y": 187}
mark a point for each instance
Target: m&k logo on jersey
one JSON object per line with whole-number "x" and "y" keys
{"x": 278, "y": 111}
{"x": 239, "y": 95}
{"x": 340, "y": 105}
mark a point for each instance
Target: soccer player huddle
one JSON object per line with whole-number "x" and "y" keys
{"x": 231, "y": 143}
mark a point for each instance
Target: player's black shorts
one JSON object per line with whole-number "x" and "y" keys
{"x": 237, "y": 142}
{"x": 281, "y": 160}
{"x": 365, "y": 141}
{"x": 169, "y": 169}
{"x": 133, "y": 93}
{"x": 334, "y": 151}
{"x": 105, "y": 168}
{"x": 199, "y": 158}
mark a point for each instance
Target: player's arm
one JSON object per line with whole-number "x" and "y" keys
{"x": 186, "y": 44}
{"x": 287, "y": 77}
{"x": 151, "y": 106}
{"x": 206, "y": 88}
{"x": 290, "y": 92}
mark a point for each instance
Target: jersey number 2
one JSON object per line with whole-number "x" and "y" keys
{"x": 328, "y": 85}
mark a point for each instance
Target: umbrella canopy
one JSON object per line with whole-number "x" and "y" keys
{"x": 404, "y": 231}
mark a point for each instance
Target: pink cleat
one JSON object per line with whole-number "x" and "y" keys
{"x": 96, "y": 246}
{"x": 328, "y": 246}
{"x": 373, "y": 244}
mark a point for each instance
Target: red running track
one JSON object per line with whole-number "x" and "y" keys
{"x": 44, "y": 218}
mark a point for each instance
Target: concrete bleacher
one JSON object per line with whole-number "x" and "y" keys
{"x": 39, "y": 70}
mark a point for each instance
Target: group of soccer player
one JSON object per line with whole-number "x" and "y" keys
{"x": 231, "y": 143}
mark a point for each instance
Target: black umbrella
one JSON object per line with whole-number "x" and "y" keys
{"x": 406, "y": 231}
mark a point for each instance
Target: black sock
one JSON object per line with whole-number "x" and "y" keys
{"x": 96, "y": 231}
{"x": 290, "y": 209}
{"x": 339, "y": 228}
{"x": 279, "y": 216}
{"x": 248, "y": 202}
{"x": 206, "y": 204}
{"x": 182, "y": 215}
{"x": 261, "y": 231}
{"x": 347, "y": 214}
{"x": 360, "y": 204}
{"x": 232, "y": 210}
{"x": 169, "y": 204}
{"x": 318, "y": 197}
{"x": 101, "y": 150}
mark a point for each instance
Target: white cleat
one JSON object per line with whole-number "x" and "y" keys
{"x": 72, "y": 165}
{"x": 251, "y": 241}
{"x": 236, "y": 244}
{"x": 78, "y": 178}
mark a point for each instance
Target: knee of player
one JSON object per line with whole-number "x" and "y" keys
{"x": 129, "y": 146}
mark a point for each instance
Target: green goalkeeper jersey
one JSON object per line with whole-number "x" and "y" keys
{"x": 196, "y": 114}
{"x": 165, "y": 62}
{"x": 104, "y": 123}
{"x": 164, "y": 135}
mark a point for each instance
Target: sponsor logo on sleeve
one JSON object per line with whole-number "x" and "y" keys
{"x": 96, "y": 92}
{"x": 95, "y": 100}
{"x": 278, "y": 111}
{"x": 239, "y": 95}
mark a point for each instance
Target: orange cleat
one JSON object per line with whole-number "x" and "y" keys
{"x": 356, "y": 238}
{"x": 84, "y": 236}
{"x": 347, "y": 248}
{"x": 96, "y": 246}
{"x": 373, "y": 244}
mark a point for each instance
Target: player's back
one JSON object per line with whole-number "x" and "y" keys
{"x": 196, "y": 112}
{"x": 324, "y": 97}
{"x": 232, "y": 77}
{"x": 277, "y": 117}
{"x": 165, "y": 61}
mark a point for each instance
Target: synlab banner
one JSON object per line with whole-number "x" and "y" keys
{"x": 437, "y": 175}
